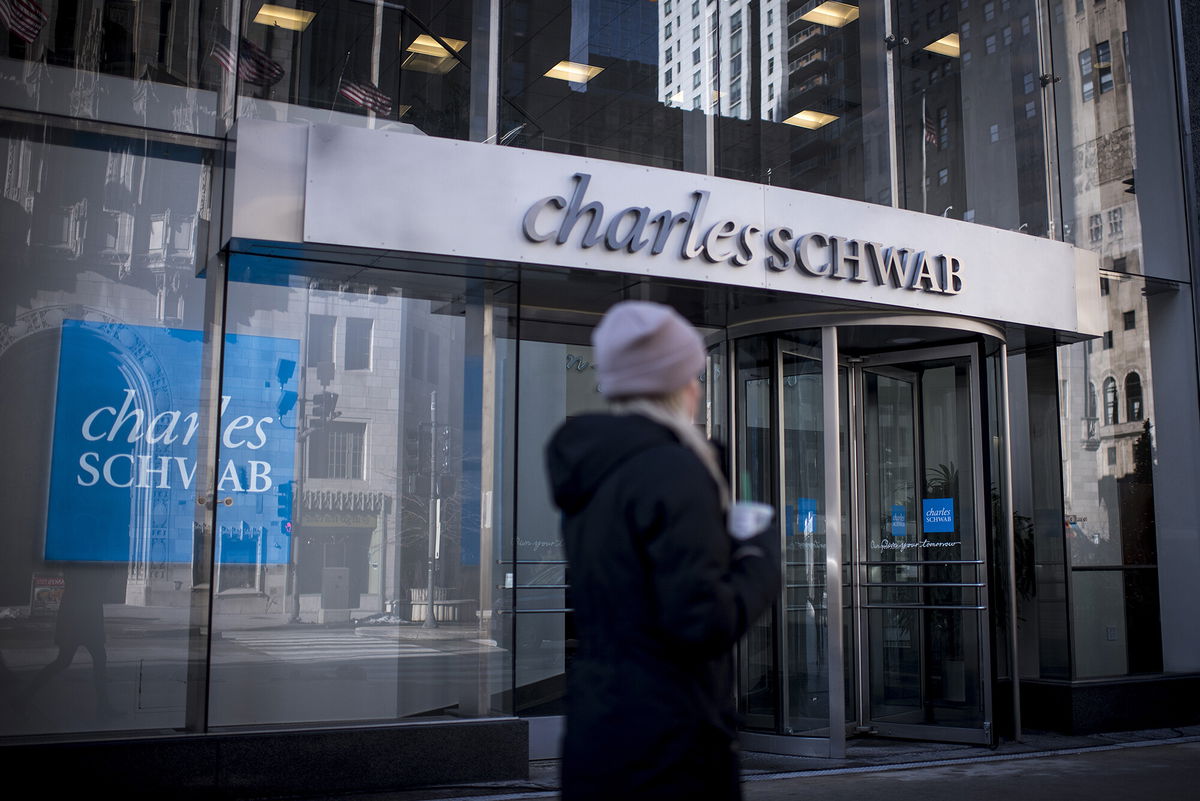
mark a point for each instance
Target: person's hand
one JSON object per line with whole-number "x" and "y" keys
{"x": 748, "y": 519}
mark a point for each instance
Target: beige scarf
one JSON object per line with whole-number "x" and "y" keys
{"x": 687, "y": 432}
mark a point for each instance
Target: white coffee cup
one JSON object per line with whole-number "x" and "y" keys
{"x": 749, "y": 518}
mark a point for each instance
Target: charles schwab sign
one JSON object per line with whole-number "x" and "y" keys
{"x": 640, "y": 229}
{"x": 470, "y": 201}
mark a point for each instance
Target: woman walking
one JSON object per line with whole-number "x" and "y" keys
{"x": 664, "y": 581}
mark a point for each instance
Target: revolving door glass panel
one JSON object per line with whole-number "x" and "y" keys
{"x": 922, "y": 611}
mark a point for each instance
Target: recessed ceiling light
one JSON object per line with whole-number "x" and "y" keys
{"x": 292, "y": 19}
{"x": 835, "y": 15}
{"x": 573, "y": 72}
{"x": 905, "y": 340}
{"x": 426, "y": 54}
{"x": 812, "y": 120}
{"x": 948, "y": 45}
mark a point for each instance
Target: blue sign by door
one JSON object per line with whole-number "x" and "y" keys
{"x": 938, "y": 515}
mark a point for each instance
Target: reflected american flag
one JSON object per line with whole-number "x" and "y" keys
{"x": 367, "y": 95}
{"x": 252, "y": 64}
{"x": 24, "y": 18}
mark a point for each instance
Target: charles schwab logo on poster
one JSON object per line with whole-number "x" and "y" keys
{"x": 127, "y": 437}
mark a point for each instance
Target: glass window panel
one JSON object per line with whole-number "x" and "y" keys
{"x": 803, "y": 463}
{"x": 390, "y": 540}
{"x": 806, "y": 126}
{"x": 611, "y": 105}
{"x": 101, "y": 350}
{"x": 379, "y": 65}
{"x": 1098, "y": 623}
{"x": 995, "y": 154}
{"x": 147, "y": 64}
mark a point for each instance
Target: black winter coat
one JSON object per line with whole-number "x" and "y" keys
{"x": 661, "y": 594}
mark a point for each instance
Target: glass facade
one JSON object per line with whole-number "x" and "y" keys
{"x": 262, "y": 491}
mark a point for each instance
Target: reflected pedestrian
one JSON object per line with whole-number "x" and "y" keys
{"x": 664, "y": 581}
{"x": 80, "y": 623}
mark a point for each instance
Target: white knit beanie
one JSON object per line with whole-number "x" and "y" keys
{"x": 644, "y": 348}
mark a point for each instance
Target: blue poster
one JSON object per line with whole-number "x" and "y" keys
{"x": 806, "y": 516}
{"x": 899, "y": 522}
{"x": 939, "y": 515}
{"x": 123, "y": 482}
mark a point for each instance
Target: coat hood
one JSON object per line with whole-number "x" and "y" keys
{"x": 586, "y": 449}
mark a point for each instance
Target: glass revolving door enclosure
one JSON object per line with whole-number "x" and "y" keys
{"x": 883, "y": 446}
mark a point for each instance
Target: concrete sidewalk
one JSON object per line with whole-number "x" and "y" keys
{"x": 1155, "y": 765}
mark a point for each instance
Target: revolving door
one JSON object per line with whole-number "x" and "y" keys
{"x": 884, "y": 448}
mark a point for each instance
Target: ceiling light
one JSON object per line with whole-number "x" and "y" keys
{"x": 835, "y": 15}
{"x": 575, "y": 73}
{"x": 946, "y": 46}
{"x": 427, "y": 54}
{"x": 428, "y": 46}
{"x": 291, "y": 18}
{"x": 812, "y": 120}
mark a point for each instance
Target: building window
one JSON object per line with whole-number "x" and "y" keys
{"x": 989, "y": 44}
{"x": 358, "y": 343}
{"x": 696, "y": 57}
{"x": 943, "y": 128}
{"x": 944, "y": 12}
{"x": 695, "y": 9}
{"x": 320, "y": 339}
{"x": 770, "y": 41}
{"x": 1030, "y": 110}
{"x": 1026, "y": 25}
{"x": 1103, "y": 290}
{"x": 943, "y": 176}
{"x": 994, "y": 133}
{"x": 696, "y": 102}
{"x": 1108, "y": 340}
{"x": 1133, "y": 397}
{"x": 695, "y": 80}
{"x": 1119, "y": 264}
{"x": 335, "y": 450}
{"x": 696, "y": 34}
{"x": 1111, "y": 455}
{"x": 989, "y": 11}
{"x": 1086, "y": 83}
{"x": 1095, "y": 227}
{"x": 1029, "y": 82}
{"x": 1110, "y": 400}
{"x": 965, "y": 30}
{"x": 667, "y": 31}
{"x": 966, "y": 57}
{"x": 1129, "y": 319}
{"x": 1104, "y": 66}
{"x": 667, "y": 77}
{"x": 1007, "y": 35}
{"x": 1116, "y": 221}
{"x": 771, "y": 66}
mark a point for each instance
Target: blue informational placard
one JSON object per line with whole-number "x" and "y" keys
{"x": 899, "y": 522}
{"x": 938, "y": 515}
{"x": 806, "y": 515}
{"x": 123, "y": 482}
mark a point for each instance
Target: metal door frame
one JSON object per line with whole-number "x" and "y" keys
{"x": 859, "y": 564}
